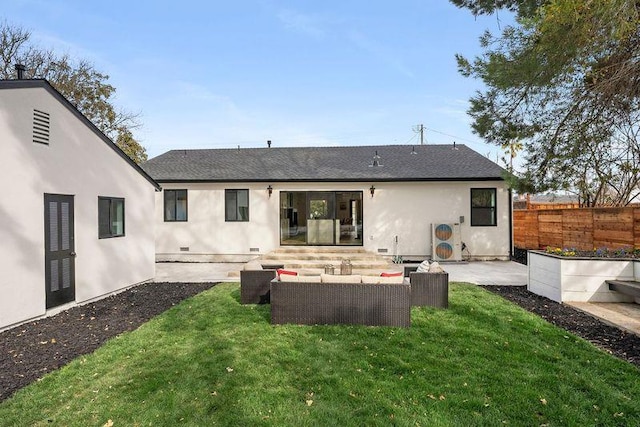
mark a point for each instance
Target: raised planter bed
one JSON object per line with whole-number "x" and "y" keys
{"x": 341, "y": 303}
{"x": 579, "y": 279}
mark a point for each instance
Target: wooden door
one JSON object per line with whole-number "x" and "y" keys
{"x": 59, "y": 252}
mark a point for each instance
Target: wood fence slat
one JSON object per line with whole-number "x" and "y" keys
{"x": 581, "y": 228}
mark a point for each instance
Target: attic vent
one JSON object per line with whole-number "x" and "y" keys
{"x": 40, "y": 127}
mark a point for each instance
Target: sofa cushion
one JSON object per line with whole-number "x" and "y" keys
{"x": 309, "y": 279}
{"x": 384, "y": 280}
{"x": 252, "y": 266}
{"x": 392, "y": 279}
{"x": 337, "y": 278}
{"x": 289, "y": 278}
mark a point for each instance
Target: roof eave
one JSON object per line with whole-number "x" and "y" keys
{"x": 371, "y": 179}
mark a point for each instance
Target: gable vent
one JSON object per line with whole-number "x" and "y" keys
{"x": 40, "y": 127}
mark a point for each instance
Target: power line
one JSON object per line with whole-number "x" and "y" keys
{"x": 410, "y": 139}
{"x": 453, "y": 136}
{"x": 420, "y": 129}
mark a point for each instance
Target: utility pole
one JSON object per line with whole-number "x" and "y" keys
{"x": 420, "y": 129}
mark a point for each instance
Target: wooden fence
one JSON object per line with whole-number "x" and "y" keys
{"x": 584, "y": 228}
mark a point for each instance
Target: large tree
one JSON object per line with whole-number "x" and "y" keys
{"x": 565, "y": 80}
{"x": 78, "y": 80}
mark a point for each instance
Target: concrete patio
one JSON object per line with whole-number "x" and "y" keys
{"x": 496, "y": 273}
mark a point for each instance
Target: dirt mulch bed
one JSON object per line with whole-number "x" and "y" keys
{"x": 29, "y": 351}
{"x": 620, "y": 343}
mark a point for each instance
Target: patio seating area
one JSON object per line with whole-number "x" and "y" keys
{"x": 342, "y": 299}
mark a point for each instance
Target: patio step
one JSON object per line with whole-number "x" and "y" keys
{"x": 320, "y": 264}
{"x": 319, "y": 249}
{"x": 312, "y": 260}
{"x": 628, "y": 287}
{"x": 318, "y": 256}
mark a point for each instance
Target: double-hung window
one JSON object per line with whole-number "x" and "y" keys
{"x": 236, "y": 205}
{"x": 483, "y": 207}
{"x": 175, "y": 205}
{"x": 110, "y": 217}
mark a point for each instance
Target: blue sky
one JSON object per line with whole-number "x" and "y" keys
{"x": 220, "y": 74}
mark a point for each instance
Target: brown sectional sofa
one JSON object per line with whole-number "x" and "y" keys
{"x": 328, "y": 299}
{"x": 316, "y": 303}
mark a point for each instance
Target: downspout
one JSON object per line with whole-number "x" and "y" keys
{"x": 511, "y": 224}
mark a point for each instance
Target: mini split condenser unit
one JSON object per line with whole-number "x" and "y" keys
{"x": 446, "y": 244}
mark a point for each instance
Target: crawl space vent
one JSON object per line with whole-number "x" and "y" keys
{"x": 40, "y": 127}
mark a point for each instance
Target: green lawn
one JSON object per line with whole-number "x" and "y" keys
{"x": 212, "y": 361}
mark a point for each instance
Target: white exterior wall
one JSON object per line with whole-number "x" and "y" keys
{"x": 76, "y": 162}
{"x": 404, "y": 209}
{"x": 206, "y": 233}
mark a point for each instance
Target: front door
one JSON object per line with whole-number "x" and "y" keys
{"x": 59, "y": 249}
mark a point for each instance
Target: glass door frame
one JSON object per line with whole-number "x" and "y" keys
{"x": 321, "y": 227}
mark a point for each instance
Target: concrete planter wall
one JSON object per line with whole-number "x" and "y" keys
{"x": 578, "y": 279}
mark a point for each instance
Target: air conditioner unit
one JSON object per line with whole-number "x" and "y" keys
{"x": 446, "y": 243}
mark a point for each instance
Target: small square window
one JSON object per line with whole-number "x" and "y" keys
{"x": 236, "y": 203}
{"x": 483, "y": 207}
{"x": 110, "y": 217}
{"x": 175, "y": 205}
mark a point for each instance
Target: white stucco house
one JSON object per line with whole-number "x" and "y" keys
{"x": 234, "y": 204}
{"x": 74, "y": 219}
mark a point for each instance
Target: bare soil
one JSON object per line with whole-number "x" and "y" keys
{"x": 29, "y": 351}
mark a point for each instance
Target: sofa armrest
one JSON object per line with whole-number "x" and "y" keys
{"x": 255, "y": 285}
{"x": 430, "y": 289}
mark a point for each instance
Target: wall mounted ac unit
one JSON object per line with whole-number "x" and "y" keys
{"x": 446, "y": 243}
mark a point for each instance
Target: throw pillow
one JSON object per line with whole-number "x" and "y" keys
{"x": 394, "y": 274}
{"x": 281, "y": 272}
{"x": 423, "y": 267}
{"x": 435, "y": 268}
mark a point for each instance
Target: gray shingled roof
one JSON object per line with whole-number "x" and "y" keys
{"x": 430, "y": 163}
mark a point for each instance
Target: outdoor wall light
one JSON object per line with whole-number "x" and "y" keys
{"x": 270, "y": 190}
{"x": 372, "y": 190}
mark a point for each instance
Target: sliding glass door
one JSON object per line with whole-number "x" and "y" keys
{"x": 321, "y": 218}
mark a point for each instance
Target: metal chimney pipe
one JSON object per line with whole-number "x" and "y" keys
{"x": 20, "y": 69}
{"x": 268, "y": 143}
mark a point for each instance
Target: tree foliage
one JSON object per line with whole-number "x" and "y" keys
{"x": 565, "y": 80}
{"x": 85, "y": 87}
